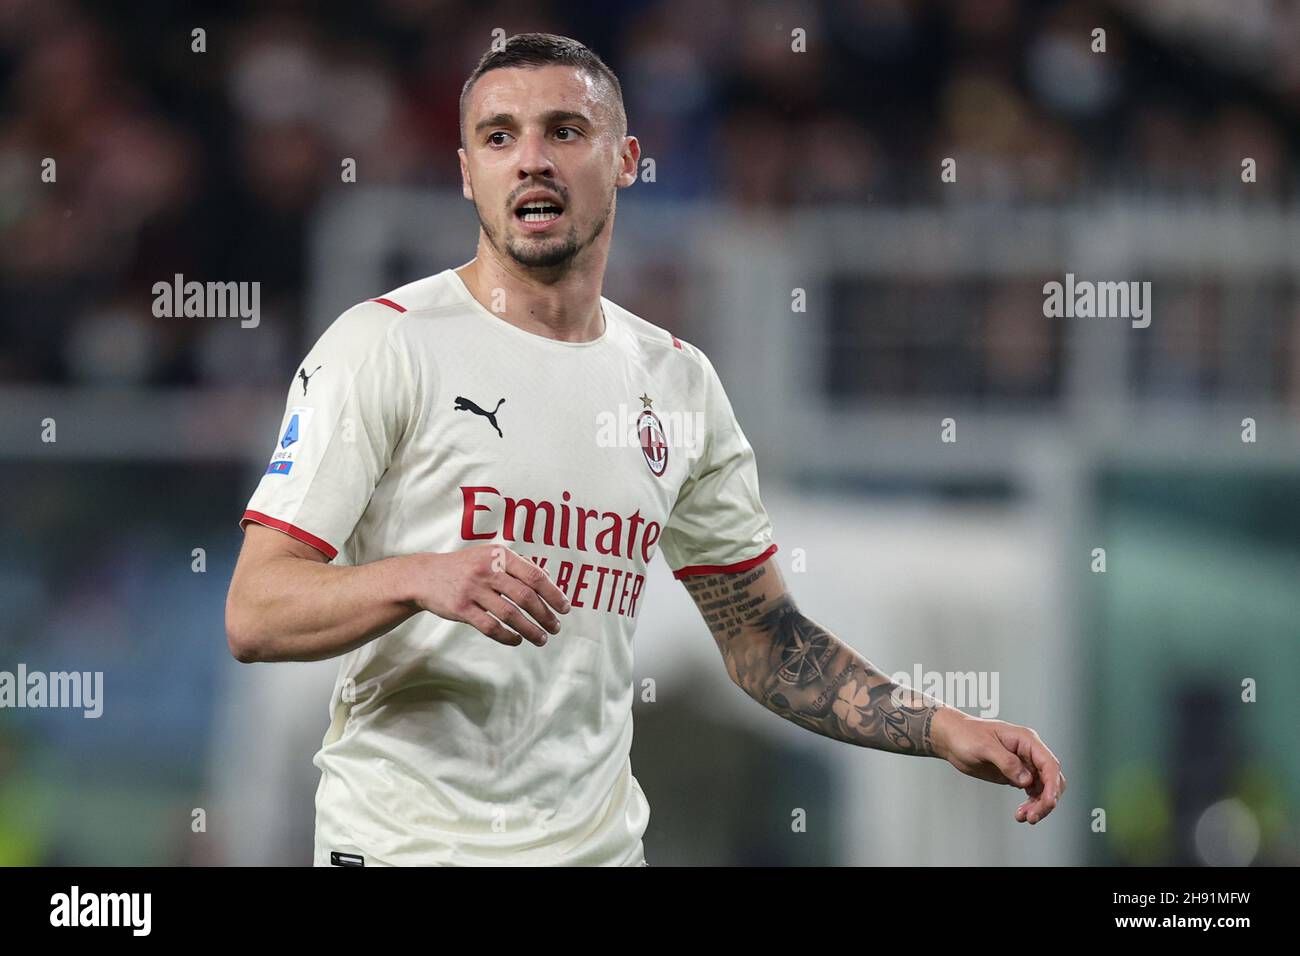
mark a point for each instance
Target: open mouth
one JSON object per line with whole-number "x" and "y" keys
{"x": 538, "y": 212}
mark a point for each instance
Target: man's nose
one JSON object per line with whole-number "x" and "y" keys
{"x": 535, "y": 156}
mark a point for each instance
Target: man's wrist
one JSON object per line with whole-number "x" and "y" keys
{"x": 409, "y": 578}
{"x": 942, "y": 724}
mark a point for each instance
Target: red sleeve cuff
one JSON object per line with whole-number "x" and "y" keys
{"x": 725, "y": 568}
{"x": 306, "y": 537}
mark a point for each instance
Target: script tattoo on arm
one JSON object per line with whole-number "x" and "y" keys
{"x": 799, "y": 670}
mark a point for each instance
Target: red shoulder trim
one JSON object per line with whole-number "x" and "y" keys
{"x": 306, "y": 537}
{"x": 676, "y": 341}
{"x": 725, "y": 568}
{"x": 390, "y": 303}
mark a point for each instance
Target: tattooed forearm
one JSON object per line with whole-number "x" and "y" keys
{"x": 799, "y": 670}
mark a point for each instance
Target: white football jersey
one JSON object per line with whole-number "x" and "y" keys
{"x": 421, "y": 421}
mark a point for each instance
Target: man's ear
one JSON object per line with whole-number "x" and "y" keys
{"x": 466, "y": 188}
{"x": 629, "y": 163}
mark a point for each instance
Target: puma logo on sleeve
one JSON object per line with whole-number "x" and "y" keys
{"x": 302, "y": 374}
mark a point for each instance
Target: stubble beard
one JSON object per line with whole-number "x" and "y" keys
{"x": 548, "y": 253}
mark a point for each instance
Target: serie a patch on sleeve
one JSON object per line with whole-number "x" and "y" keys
{"x": 294, "y": 433}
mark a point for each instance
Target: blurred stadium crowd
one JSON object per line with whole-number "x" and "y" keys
{"x": 210, "y": 164}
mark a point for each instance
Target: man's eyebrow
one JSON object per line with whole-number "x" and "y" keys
{"x": 553, "y": 116}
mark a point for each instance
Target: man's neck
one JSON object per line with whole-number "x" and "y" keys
{"x": 567, "y": 310}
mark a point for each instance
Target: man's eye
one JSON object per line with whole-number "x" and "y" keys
{"x": 493, "y": 141}
{"x": 571, "y": 129}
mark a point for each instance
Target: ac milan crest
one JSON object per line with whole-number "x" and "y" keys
{"x": 654, "y": 443}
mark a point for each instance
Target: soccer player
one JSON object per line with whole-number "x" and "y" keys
{"x": 447, "y": 511}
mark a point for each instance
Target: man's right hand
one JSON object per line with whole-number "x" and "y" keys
{"x": 477, "y": 586}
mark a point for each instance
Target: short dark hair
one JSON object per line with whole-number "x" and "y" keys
{"x": 544, "y": 49}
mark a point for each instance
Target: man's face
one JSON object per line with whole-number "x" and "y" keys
{"x": 548, "y": 134}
